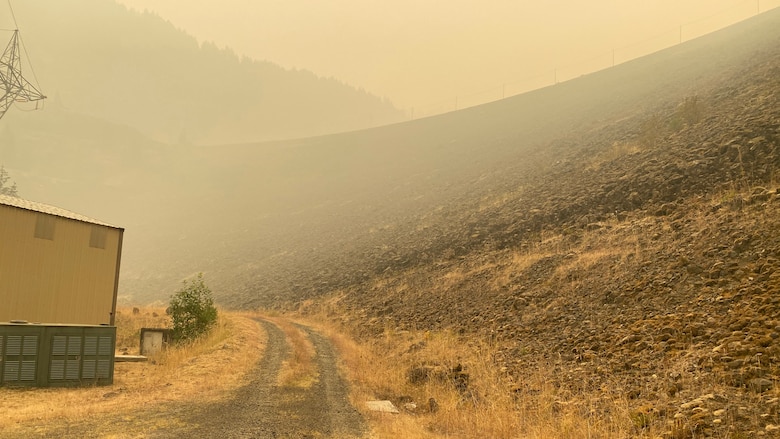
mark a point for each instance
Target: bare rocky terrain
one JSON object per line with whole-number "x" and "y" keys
{"x": 636, "y": 260}
{"x": 640, "y": 262}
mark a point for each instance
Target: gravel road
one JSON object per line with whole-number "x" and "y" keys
{"x": 263, "y": 409}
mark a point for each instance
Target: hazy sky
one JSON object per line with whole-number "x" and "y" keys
{"x": 420, "y": 53}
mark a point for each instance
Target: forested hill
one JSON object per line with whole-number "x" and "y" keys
{"x": 133, "y": 68}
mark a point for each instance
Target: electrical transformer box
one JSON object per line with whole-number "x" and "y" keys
{"x": 42, "y": 355}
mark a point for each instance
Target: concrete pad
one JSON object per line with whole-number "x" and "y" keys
{"x": 382, "y": 406}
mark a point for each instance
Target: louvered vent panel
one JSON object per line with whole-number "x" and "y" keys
{"x": 74, "y": 345}
{"x": 57, "y": 370}
{"x": 11, "y": 373}
{"x": 72, "y": 369}
{"x": 14, "y": 346}
{"x": 88, "y": 369}
{"x": 104, "y": 368}
{"x": 106, "y": 346}
{"x": 11, "y": 359}
{"x": 90, "y": 345}
{"x": 28, "y": 370}
{"x": 30, "y": 345}
{"x": 59, "y": 345}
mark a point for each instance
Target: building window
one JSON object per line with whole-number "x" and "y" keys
{"x": 97, "y": 239}
{"x": 44, "y": 226}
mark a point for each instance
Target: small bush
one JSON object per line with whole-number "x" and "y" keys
{"x": 192, "y": 310}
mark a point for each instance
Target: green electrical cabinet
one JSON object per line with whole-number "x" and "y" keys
{"x": 36, "y": 355}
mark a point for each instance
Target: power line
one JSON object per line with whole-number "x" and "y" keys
{"x": 27, "y": 56}
{"x": 12, "y": 14}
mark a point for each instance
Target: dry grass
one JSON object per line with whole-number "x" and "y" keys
{"x": 615, "y": 151}
{"x": 493, "y": 405}
{"x": 498, "y": 200}
{"x": 180, "y": 374}
{"x": 130, "y": 320}
{"x": 513, "y": 265}
{"x": 580, "y": 264}
{"x": 542, "y": 400}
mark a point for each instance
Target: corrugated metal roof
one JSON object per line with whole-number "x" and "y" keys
{"x": 51, "y": 210}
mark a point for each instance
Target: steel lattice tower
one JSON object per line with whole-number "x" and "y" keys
{"x": 15, "y": 87}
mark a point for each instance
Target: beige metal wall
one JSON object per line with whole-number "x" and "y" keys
{"x": 62, "y": 280}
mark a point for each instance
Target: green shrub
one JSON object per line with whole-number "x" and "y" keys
{"x": 192, "y": 310}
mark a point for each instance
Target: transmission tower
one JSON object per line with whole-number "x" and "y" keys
{"x": 15, "y": 87}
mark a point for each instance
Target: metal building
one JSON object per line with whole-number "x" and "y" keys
{"x": 56, "y": 266}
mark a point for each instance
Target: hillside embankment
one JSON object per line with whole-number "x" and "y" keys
{"x": 286, "y": 221}
{"x": 642, "y": 265}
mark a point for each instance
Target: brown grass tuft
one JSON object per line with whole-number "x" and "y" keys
{"x": 493, "y": 404}
{"x": 620, "y": 149}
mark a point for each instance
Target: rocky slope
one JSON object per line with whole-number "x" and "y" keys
{"x": 642, "y": 264}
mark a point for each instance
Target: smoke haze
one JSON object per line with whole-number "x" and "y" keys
{"x": 423, "y": 53}
{"x": 212, "y": 160}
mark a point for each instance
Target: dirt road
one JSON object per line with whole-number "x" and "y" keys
{"x": 265, "y": 410}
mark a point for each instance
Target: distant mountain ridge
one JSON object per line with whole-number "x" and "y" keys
{"x": 99, "y": 58}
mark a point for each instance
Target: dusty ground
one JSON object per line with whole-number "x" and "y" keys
{"x": 260, "y": 409}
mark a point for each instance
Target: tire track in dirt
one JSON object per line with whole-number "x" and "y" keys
{"x": 345, "y": 421}
{"x": 263, "y": 409}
